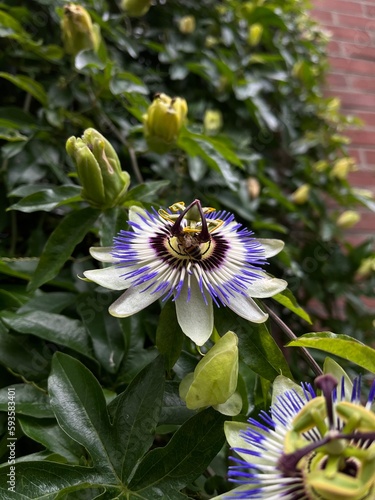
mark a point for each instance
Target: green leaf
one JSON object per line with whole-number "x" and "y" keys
{"x": 52, "y": 302}
{"x": 146, "y": 192}
{"x": 29, "y": 401}
{"x": 80, "y": 409}
{"x": 16, "y": 118}
{"x": 169, "y": 336}
{"x": 127, "y": 82}
{"x": 184, "y": 458}
{"x": 49, "y": 326}
{"x": 43, "y": 480}
{"x": 104, "y": 330}
{"x": 60, "y": 245}
{"x": 256, "y": 346}
{"x": 220, "y": 145}
{"x": 28, "y": 357}
{"x": 11, "y": 135}
{"x": 48, "y": 199}
{"x": 136, "y": 413}
{"x": 341, "y": 345}
{"x": 10, "y": 24}
{"x": 48, "y": 433}
{"x": 28, "y": 84}
{"x": 288, "y": 300}
{"x": 196, "y": 145}
{"x": 88, "y": 59}
{"x": 174, "y": 411}
{"x": 19, "y": 268}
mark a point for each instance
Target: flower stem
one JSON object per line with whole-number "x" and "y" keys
{"x": 310, "y": 360}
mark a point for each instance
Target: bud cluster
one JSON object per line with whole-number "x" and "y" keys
{"x": 104, "y": 184}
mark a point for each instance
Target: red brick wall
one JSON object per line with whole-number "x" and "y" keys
{"x": 351, "y": 54}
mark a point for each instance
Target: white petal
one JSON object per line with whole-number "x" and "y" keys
{"x": 271, "y": 247}
{"x": 135, "y": 212}
{"x": 266, "y": 287}
{"x": 133, "y": 301}
{"x": 239, "y": 489}
{"x": 234, "y": 433}
{"x": 195, "y": 318}
{"x": 247, "y": 308}
{"x": 103, "y": 254}
{"x": 109, "y": 277}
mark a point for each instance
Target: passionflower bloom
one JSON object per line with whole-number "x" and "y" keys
{"x": 195, "y": 255}
{"x": 309, "y": 447}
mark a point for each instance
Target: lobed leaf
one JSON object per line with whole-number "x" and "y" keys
{"x": 60, "y": 245}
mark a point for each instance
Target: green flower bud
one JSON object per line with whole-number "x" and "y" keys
{"x": 136, "y": 8}
{"x": 163, "y": 122}
{"x": 366, "y": 267}
{"x": 255, "y": 34}
{"x": 104, "y": 184}
{"x": 214, "y": 380}
{"x": 78, "y": 31}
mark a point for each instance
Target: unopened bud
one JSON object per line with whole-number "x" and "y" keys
{"x": 254, "y": 34}
{"x": 320, "y": 166}
{"x": 348, "y": 219}
{"x": 301, "y": 194}
{"x": 78, "y": 30}
{"x": 136, "y": 8}
{"x": 253, "y": 187}
{"x": 186, "y": 25}
{"x": 104, "y": 184}
{"x": 212, "y": 121}
{"x": 342, "y": 167}
{"x": 211, "y": 41}
{"x": 366, "y": 267}
{"x": 214, "y": 380}
{"x": 163, "y": 122}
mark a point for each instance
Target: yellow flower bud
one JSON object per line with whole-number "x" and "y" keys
{"x": 78, "y": 30}
{"x": 104, "y": 184}
{"x": 253, "y": 187}
{"x": 136, "y": 8}
{"x": 163, "y": 122}
{"x": 212, "y": 121}
{"x": 254, "y": 34}
{"x": 187, "y": 25}
{"x": 366, "y": 267}
{"x": 301, "y": 194}
{"x": 348, "y": 219}
{"x": 214, "y": 380}
{"x": 342, "y": 167}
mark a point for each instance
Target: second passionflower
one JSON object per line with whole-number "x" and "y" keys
{"x": 193, "y": 254}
